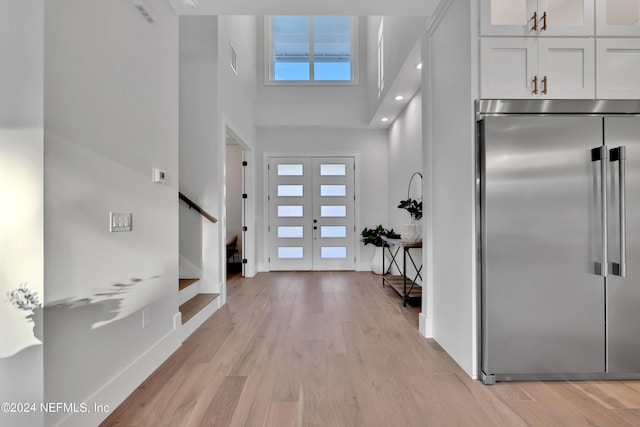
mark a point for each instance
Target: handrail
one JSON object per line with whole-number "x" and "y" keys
{"x": 197, "y": 208}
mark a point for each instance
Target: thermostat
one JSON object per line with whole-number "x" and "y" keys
{"x": 159, "y": 176}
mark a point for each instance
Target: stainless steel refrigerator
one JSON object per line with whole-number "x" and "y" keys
{"x": 559, "y": 222}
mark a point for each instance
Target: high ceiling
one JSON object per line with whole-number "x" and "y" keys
{"x": 307, "y": 7}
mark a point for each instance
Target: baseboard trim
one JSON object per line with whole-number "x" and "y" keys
{"x": 115, "y": 392}
{"x": 426, "y": 325}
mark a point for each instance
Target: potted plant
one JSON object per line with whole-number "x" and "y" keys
{"x": 412, "y": 206}
{"x": 411, "y": 232}
{"x": 374, "y": 236}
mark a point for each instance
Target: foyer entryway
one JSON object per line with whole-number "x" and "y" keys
{"x": 311, "y": 213}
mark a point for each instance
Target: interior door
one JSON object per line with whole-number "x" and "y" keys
{"x": 623, "y": 293}
{"x": 312, "y": 213}
{"x": 542, "y": 303}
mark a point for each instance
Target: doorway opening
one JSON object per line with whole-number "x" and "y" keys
{"x": 236, "y": 205}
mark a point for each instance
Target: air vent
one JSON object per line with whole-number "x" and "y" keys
{"x": 233, "y": 59}
{"x": 145, "y": 10}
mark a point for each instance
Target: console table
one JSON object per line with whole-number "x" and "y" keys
{"x": 405, "y": 287}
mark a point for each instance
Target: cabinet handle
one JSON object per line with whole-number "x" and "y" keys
{"x": 535, "y": 85}
{"x": 544, "y": 85}
{"x": 544, "y": 22}
{"x": 534, "y": 18}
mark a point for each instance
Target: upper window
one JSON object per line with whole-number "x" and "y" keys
{"x": 312, "y": 49}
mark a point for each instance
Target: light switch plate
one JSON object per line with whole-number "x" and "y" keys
{"x": 120, "y": 221}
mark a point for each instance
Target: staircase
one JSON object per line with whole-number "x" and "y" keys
{"x": 192, "y": 303}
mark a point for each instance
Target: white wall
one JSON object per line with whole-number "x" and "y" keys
{"x": 21, "y": 44}
{"x": 449, "y": 165}
{"x": 238, "y": 98}
{"x": 111, "y": 115}
{"x": 200, "y": 155}
{"x": 212, "y": 99}
{"x": 21, "y": 258}
{"x": 405, "y": 158}
{"x": 371, "y": 171}
{"x": 21, "y": 205}
{"x": 312, "y": 105}
{"x": 238, "y": 92}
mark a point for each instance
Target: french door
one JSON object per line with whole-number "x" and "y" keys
{"x": 311, "y": 213}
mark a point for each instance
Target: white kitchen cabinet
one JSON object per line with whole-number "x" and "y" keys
{"x": 507, "y": 67}
{"x": 550, "y": 18}
{"x": 618, "y": 75}
{"x": 524, "y": 67}
{"x": 618, "y": 17}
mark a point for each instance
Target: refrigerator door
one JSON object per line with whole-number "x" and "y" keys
{"x": 623, "y": 293}
{"x": 542, "y": 301}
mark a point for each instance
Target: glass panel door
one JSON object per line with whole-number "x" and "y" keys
{"x": 333, "y": 213}
{"x": 618, "y": 17}
{"x": 508, "y": 17}
{"x": 311, "y": 207}
{"x": 566, "y": 18}
{"x": 289, "y": 208}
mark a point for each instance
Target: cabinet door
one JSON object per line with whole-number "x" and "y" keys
{"x": 566, "y": 18}
{"x": 618, "y": 18}
{"x": 507, "y": 67}
{"x": 566, "y": 68}
{"x": 618, "y": 62}
{"x": 507, "y": 17}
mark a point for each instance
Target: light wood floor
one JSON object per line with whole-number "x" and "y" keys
{"x": 335, "y": 349}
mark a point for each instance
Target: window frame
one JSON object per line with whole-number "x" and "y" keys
{"x": 269, "y": 66}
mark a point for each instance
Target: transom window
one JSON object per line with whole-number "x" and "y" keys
{"x": 311, "y": 49}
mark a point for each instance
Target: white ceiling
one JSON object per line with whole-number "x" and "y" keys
{"x": 308, "y": 7}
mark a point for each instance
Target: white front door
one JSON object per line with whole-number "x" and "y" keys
{"x": 311, "y": 207}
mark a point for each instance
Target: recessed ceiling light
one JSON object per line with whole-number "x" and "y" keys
{"x": 399, "y": 98}
{"x": 419, "y": 66}
{"x": 384, "y": 119}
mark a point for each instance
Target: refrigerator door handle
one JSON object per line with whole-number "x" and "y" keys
{"x": 600, "y": 154}
{"x": 619, "y": 154}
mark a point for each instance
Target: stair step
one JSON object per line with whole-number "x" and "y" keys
{"x": 183, "y": 283}
{"x": 194, "y": 305}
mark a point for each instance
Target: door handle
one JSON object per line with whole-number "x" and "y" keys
{"x": 535, "y": 85}
{"x": 544, "y": 22}
{"x": 534, "y": 18}
{"x": 601, "y": 154}
{"x": 619, "y": 154}
{"x": 544, "y": 85}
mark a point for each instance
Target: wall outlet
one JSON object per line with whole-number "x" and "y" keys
{"x": 146, "y": 317}
{"x": 120, "y": 221}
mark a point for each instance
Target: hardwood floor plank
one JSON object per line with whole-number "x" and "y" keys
{"x": 593, "y": 410}
{"x": 630, "y": 416}
{"x": 224, "y": 402}
{"x": 511, "y": 392}
{"x": 337, "y": 349}
{"x": 282, "y": 414}
{"x": 611, "y": 394}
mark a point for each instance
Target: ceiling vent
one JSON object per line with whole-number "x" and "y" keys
{"x": 145, "y": 10}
